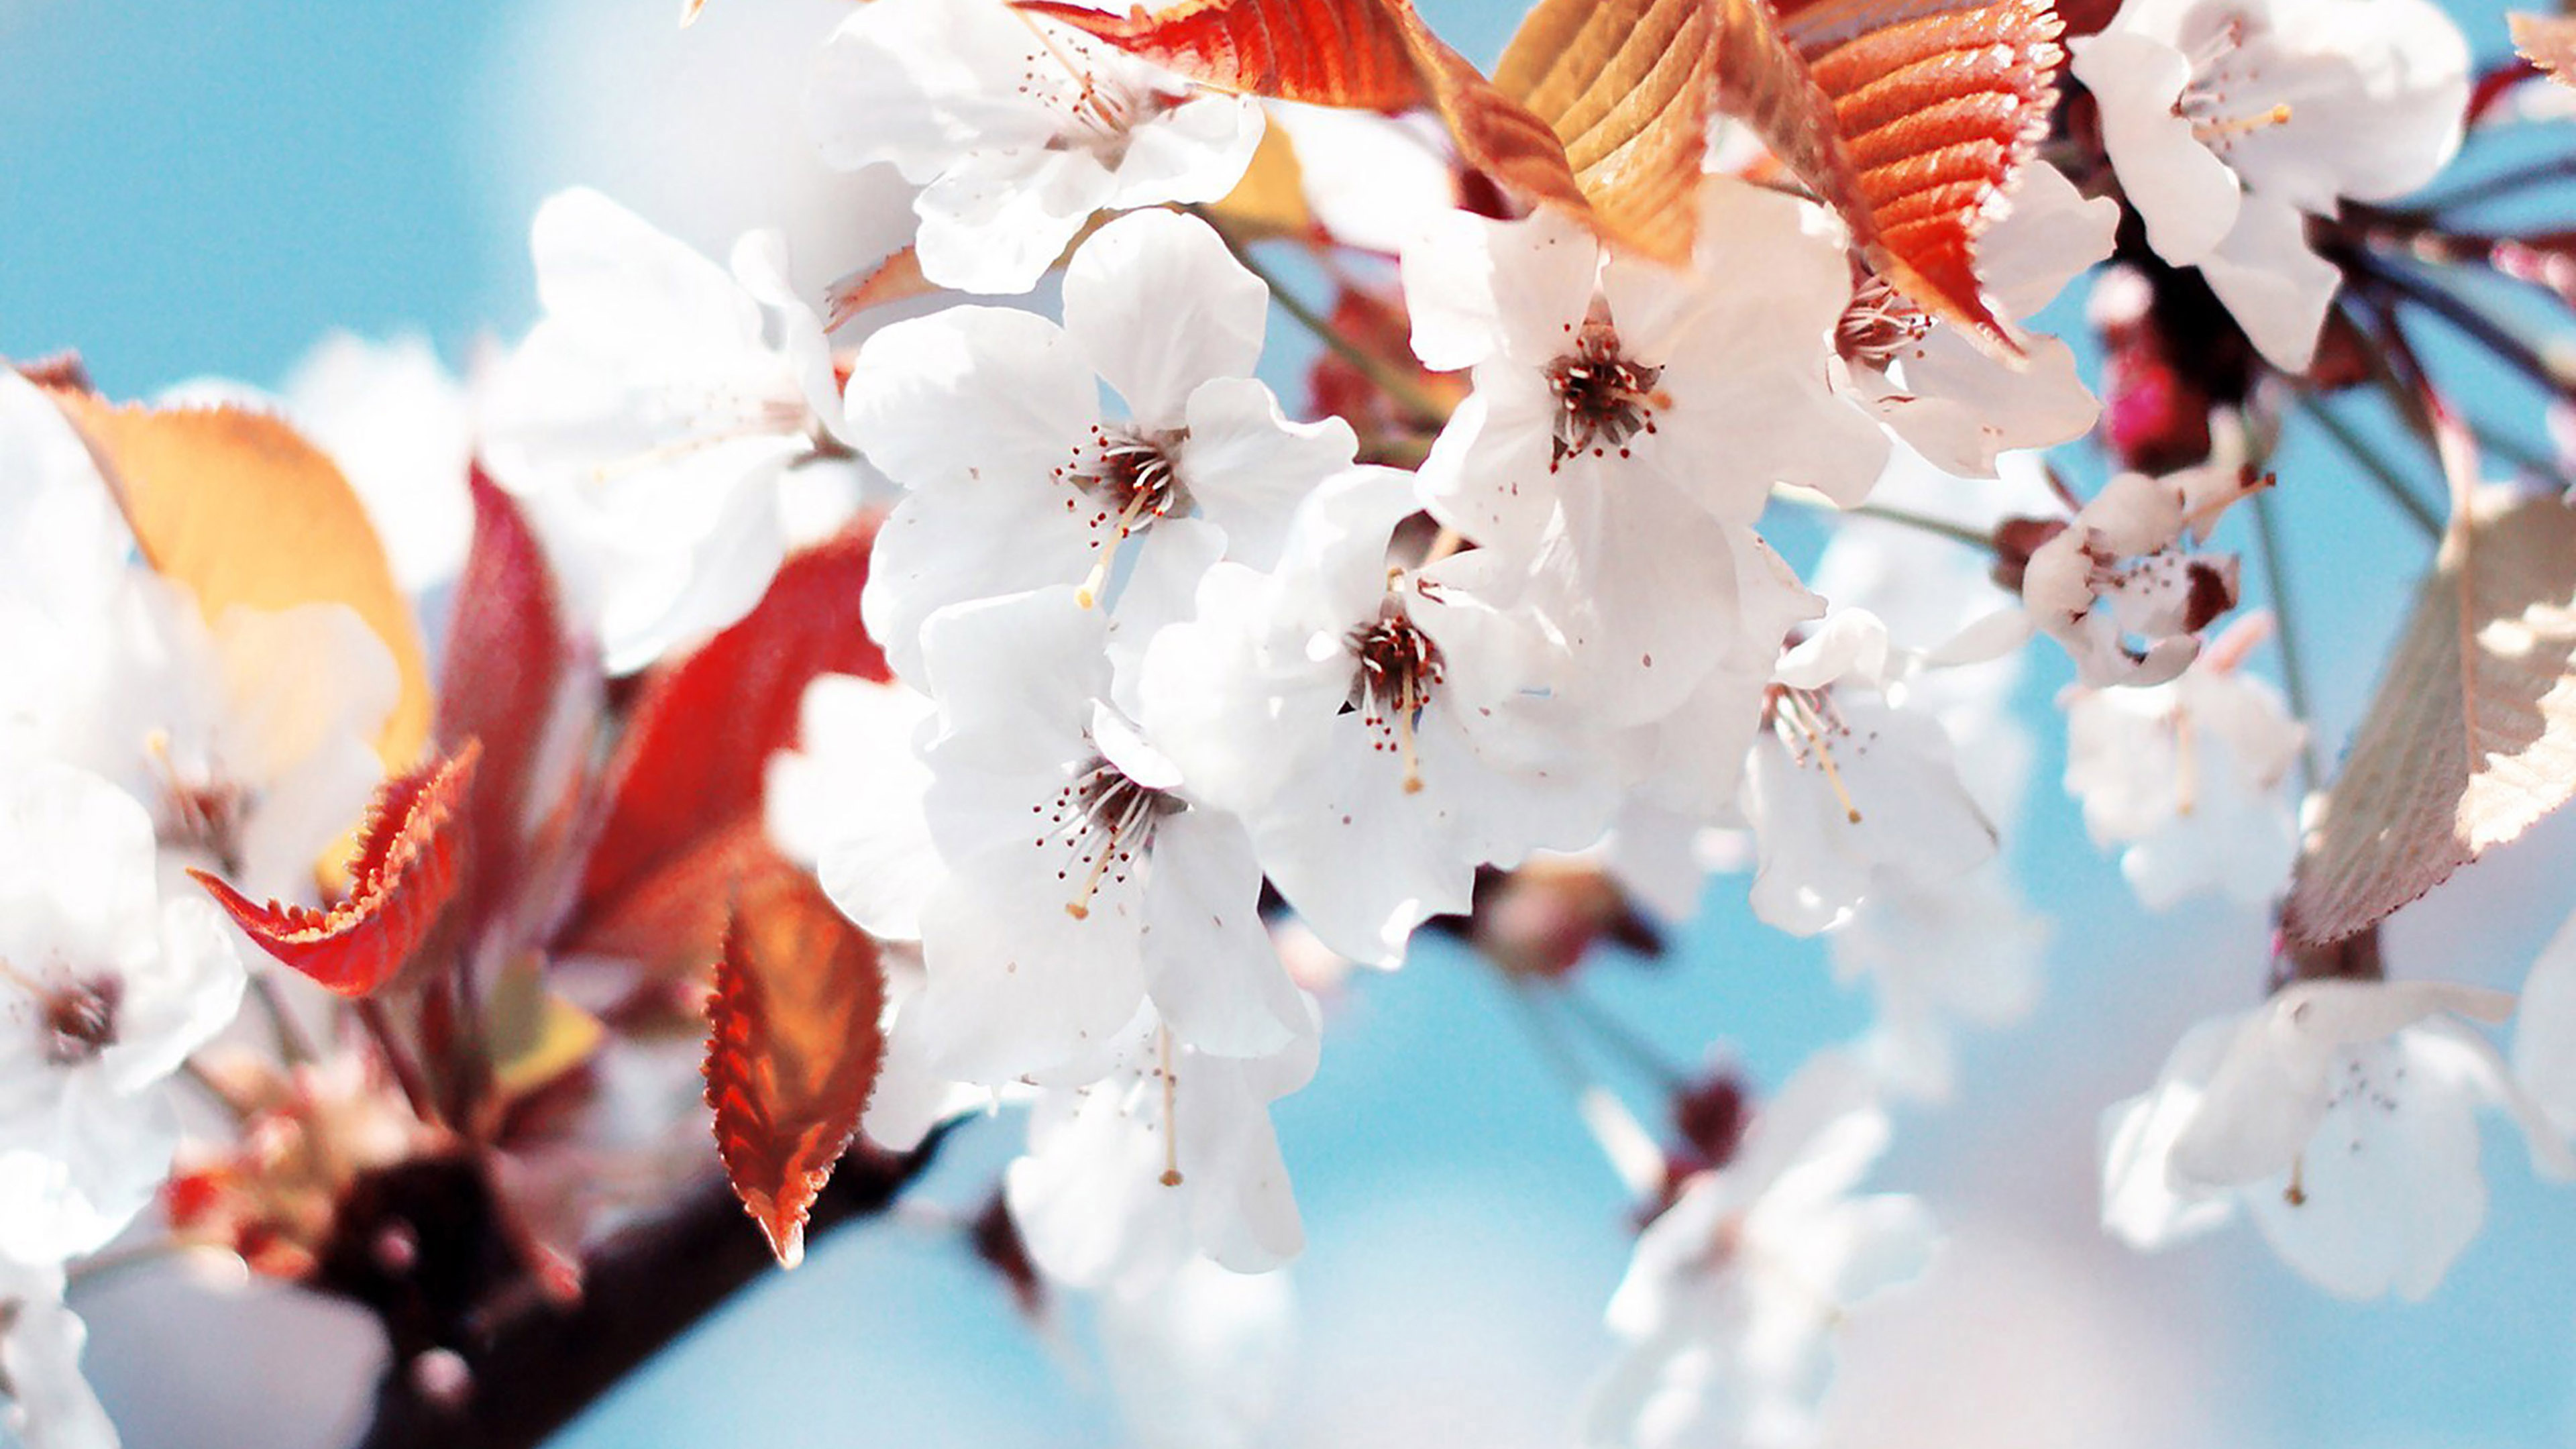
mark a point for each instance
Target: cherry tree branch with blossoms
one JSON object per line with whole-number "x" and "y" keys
{"x": 999, "y": 693}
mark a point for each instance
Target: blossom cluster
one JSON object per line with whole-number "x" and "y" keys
{"x": 1194, "y": 696}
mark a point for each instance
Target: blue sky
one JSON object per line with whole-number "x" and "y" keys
{"x": 207, "y": 186}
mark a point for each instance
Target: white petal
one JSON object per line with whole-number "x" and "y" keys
{"x": 1158, "y": 306}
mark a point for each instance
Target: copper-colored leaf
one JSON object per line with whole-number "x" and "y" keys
{"x": 1327, "y": 52}
{"x": 793, "y": 1046}
{"x": 1364, "y": 54}
{"x": 1937, "y": 105}
{"x": 2547, "y": 41}
{"x": 409, "y": 861}
{"x": 2471, "y": 738}
{"x": 683, "y": 817}
{"x": 240, "y": 508}
{"x": 1628, "y": 86}
{"x": 1270, "y": 200}
{"x": 508, "y": 679}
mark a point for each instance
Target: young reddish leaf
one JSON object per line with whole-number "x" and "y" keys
{"x": 2547, "y": 41}
{"x": 1937, "y": 105}
{"x": 2471, "y": 738}
{"x": 683, "y": 817}
{"x": 1352, "y": 53}
{"x": 240, "y": 508}
{"x": 793, "y": 1046}
{"x": 409, "y": 862}
{"x": 896, "y": 279}
{"x": 1364, "y": 54}
{"x": 507, "y": 678}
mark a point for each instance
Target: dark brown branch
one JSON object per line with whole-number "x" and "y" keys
{"x": 424, "y": 1252}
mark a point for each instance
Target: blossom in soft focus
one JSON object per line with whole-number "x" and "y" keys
{"x": 2341, "y": 1117}
{"x": 1728, "y": 1312}
{"x": 653, "y": 420}
{"x": 2231, "y": 123}
{"x": 1016, "y": 129}
{"x": 105, "y": 988}
{"x": 2187, "y": 777}
{"x": 2116, "y": 587}
{"x": 44, "y": 1401}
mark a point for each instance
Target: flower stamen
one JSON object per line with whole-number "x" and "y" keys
{"x": 1109, "y": 820}
{"x": 1603, "y": 398}
{"x": 1399, "y": 666}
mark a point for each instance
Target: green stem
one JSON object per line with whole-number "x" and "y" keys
{"x": 1902, "y": 517}
{"x": 2294, "y": 674}
{"x": 2391, "y": 483}
{"x": 1390, "y": 379}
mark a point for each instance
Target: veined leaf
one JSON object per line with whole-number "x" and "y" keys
{"x": 409, "y": 862}
{"x": 1270, "y": 200}
{"x": 683, "y": 818}
{"x": 1629, "y": 86}
{"x": 510, "y": 682}
{"x": 2549, "y": 42}
{"x": 1365, "y": 54}
{"x": 793, "y": 1046}
{"x": 2471, "y": 738}
{"x": 240, "y": 508}
{"x": 1937, "y": 105}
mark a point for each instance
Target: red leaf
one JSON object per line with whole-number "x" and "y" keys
{"x": 793, "y": 1046}
{"x": 505, "y": 681}
{"x": 687, "y": 776}
{"x": 1367, "y": 54}
{"x": 409, "y": 862}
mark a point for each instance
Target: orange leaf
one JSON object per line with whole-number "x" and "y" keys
{"x": 407, "y": 867}
{"x": 684, "y": 786}
{"x": 793, "y": 1046}
{"x": 1365, "y": 54}
{"x": 2547, "y": 41}
{"x": 1938, "y": 104}
{"x": 240, "y": 508}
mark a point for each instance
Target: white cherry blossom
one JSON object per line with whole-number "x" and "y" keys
{"x": 104, "y": 990}
{"x": 1729, "y": 1308}
{"x": 1155, "y": 1153}
{"x": 1625, "y": 416}
{"x": 44, "y": 1401}
{"x": 1960, "y": 404}
{"x": 2189, "y": 777}
{"x": 2341, "y": 1116}
{"x": 2544, "y": 1030}
{"x": 651, "y": 420}
{"x": 1076, "y": 875}
{"x": 992, "y": 419}
{"x": 2232, "y": 121}
{"x": 63, "y": 553}
{"x": 2117, "y": 589}
{"x": 1374, "y": 726}
{"x": 1203, "y": 1357}
{"x": 1017, "y": 129}
{"x": 402, "y": 430}
{"x": 1849, "y": 791}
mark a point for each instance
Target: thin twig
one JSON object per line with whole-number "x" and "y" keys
{"x": 398, "y": 1061}
{"x": 1622, "y": 1040}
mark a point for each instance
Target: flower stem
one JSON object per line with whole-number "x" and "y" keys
{"x": 1388, "y": 377}
{"x": 1955, "y": 532}
{"x": 1624, "y": 1141}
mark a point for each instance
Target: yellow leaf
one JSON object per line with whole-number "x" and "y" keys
{"x": 240, "y": 508}
{"x": 2547, "y": 41}
{"x": 535, "y": 1034}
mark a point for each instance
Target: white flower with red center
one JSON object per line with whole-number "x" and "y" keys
{"x": 2230, "y": 122}
{"x": 652, "y": 418}
{"x": 1017, "y": 129}
{"x": 1850, "y": 791}
{"x": 1625, "y": 415}
{"x": 2341, "y": 1116}
{"x": 2117, "y": 589}
{"x": 44, "y": 1401}
{"x": 1075, "y": 876}
{"x": 992, "y": 418}
{"x": 1730, "y": 1307}
{"x": 1953, "y": 401}
{"x": 2188, "y": 776}
{"x": 1374, "y": 725}
{"x": 104, "y": 990}
{"x": 1154, "y": 1152}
